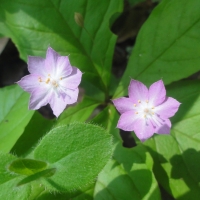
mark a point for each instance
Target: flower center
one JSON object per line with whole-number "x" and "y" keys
{"x": 52, "y": 81}
{"x": 144, "y": 109}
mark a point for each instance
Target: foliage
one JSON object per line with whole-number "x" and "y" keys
{"x": 80, "y": 155}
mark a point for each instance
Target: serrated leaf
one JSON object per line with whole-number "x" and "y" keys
{"x": 176, "y": 156}
{"x": 44, "y": 23}
{"x": 78, "y": 151}
{"x": 167, "y": 46}
{"x": 14, "y": 115}
{"x": 127, "y": 176}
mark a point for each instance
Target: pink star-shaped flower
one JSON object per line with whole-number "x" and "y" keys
{"x": 52, "y": 80}
{"x": 146, "y": 111}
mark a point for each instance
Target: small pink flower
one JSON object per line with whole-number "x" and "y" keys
{"x": 146, "y": 111}
{"x": 52, "y": 80}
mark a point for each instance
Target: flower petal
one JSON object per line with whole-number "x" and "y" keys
{"x": 36, "y": 65}
{"x": 58, "y": 104}
{"x": 73, "y": 80}
{"x": 168, "y": 108}
{"x": 164, "y": 128}
{"x": 157, "y": 93}
{"x": 51, "y": 61}
{"x": 39, "y": 97}
{"x": 123, "y": 104}
{"x": 63, "y": 66}
{"x": 29, "y": 83}
{"x": 143, "y": 129}
{"x": 71, "y": 96}
{"x": 137, "y": 91}
{"x": 127, "y": 121}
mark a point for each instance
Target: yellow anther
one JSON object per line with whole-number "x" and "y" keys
{"x": 49, "y": 75}
{"x": 144, "y": 116}
{"x": 139, "y": 101}
{"x": 47, "y": 81}
{"x": 136, "y": 112}
{"x": 60, "y": 78}
{"x": 152, "y": 108}
{"x": 152, "y": 113}
{"x": 134, "y": 105}
{"x": 147, "y": 101}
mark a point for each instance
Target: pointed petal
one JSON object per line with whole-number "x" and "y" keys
{"x": 164, "y": 128}
{"x": 123, "y": 104}
{"x": 36, "y": 65}
{"x": 29, "y": 83}
{"x": 168, "y": 108}
{"x": 137, "y": 91}
{"x": 39, "y": 97}
{"x": 63, "y": 66}
{"x": 127, "y": 121}
{"x": 58, "y": 104}
{"x": 51, "y": 61}
{"x": 73, "y": 80}
{"x": 157, "y": 93}
{"x": 143, "y": 129}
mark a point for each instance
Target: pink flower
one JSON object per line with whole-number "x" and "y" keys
{"x": 146, "y": 111}
{"x": 52, "y": 80}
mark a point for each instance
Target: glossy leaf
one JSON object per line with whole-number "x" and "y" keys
{"x": 167, "y": 46}
{"x": 176, "y": 156}
{"x": 127, "y": 176}
{"x": 34, "y": 25}
{"x": 14, "y": 115}
{"x": 77, "y": 151}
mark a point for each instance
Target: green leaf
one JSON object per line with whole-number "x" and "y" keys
{"x": 80, "y": 112}
{"x": 78, "y": 151}
{"x": 34, "y": 131}
{"x": 177, "y": 156}
{"x": 43, "y": 23}
{"x": 108, "y": 118}
{"x": 127, "y": 176}
{"x": 164, "y": 49}
{"x": 27, "y": 166}
{"x": 8, "y": 181}
{"x": 35, "y": 176}
{"x": 14, "y": 115}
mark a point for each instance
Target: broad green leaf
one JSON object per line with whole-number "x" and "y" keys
{"x": 127, "y": 176}
{"x": 27, "y": 166}
{"x": 34, "y": 25}
{"x": 167, "y": 46}
{"x": 77, "y": 151}
{"x": 177, "y": 156}
{"x": 14, "y": 115}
